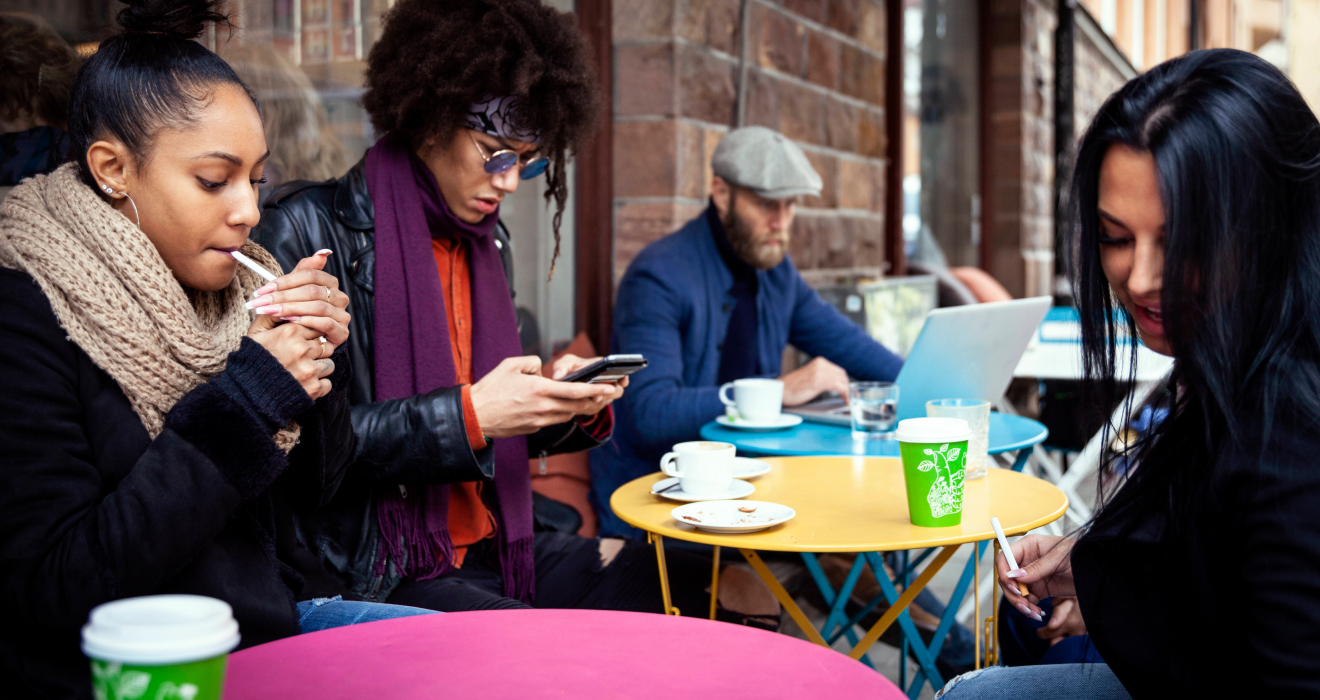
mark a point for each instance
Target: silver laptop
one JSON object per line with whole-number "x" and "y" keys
{"x": 963, "y": 352}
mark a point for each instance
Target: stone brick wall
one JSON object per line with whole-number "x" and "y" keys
{"x": 1021, "y": 144}
{"x": 816, "y": 73}
{"x": 1100, "y": 71}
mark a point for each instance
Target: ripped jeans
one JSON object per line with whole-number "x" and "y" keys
{"x": 1072, "y": 681}
{"x": 327, "y": 613}
{"x": 569, "y": 574}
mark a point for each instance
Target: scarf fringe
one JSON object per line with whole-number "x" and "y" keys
{"x": 416, "y": 552}
{"x": 518, "y": 564}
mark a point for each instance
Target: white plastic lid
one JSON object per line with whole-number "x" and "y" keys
{"x": 933, "y": 430}
{"x": 158, "y": 630}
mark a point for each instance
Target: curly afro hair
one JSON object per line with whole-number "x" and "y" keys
{"x": 437, "y": 57}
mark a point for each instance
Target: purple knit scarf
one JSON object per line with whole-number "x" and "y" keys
{"x": 414, "y": 356}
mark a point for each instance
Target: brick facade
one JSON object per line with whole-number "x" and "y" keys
{"x": 1021, "y": 144}
{"x": 815, "y": 73}
{"x": 1099, "y": 75}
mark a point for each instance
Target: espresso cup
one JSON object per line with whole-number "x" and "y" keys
{"x": 704, "y": 469}
{"x": 756, "y": 400}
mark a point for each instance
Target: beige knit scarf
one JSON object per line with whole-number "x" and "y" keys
{"x": 118, "y": 301}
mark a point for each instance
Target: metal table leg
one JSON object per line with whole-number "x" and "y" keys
{"x": 664, "y": 572}
{"x": 837, "y": 601}
{"x": 715, "y": 583}
{"x": 965, "y": 581}
{"x": 785, "y": 599}
{"x": 898, "y": 603}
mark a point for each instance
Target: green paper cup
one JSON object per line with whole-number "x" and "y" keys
{"x": 934, "y": 454}
{"x": 160, "y": 647}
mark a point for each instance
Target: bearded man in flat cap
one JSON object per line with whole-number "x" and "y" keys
{"x": 718, "y": 300}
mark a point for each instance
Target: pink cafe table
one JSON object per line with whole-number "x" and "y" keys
{"x": 528, "y": 654}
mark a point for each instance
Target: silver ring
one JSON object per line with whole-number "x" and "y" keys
{"x": 328, "y": 294}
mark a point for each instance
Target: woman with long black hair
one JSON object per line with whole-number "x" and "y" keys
{"x": 1197, "y": 195}
{"x": 157, "y": 434}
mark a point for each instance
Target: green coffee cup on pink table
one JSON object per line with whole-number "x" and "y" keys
{"x": 160, "y": 647}
{"x": 934, "y": 452}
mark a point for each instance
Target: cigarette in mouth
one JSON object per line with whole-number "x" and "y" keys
{"x": 252, "y": 265}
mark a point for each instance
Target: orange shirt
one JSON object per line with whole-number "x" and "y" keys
{"x": 470, "y": 520}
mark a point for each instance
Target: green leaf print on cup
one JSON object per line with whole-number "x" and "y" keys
{"x": 170, "y": 691}
{"x": 945, "y": 495}
{"x": 112, "y": 682}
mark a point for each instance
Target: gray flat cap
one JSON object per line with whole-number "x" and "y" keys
{"x": 765, "y": 162}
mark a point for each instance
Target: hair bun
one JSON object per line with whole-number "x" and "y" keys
{"x": 185, "y": 19}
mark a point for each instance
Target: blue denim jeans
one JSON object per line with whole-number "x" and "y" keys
{"x": 326, "y": 613}
{"x": 1072, "y": 681}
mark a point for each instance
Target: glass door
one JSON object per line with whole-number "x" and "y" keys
{"x": 941, "y": 133}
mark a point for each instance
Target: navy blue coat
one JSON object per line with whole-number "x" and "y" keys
{"x": 673, "y": 307}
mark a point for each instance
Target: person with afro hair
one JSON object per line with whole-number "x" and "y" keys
{"x": 470, "y": 97}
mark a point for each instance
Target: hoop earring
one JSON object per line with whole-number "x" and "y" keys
{"x": 138, "y": 221}
{"x": 110, "y": 190}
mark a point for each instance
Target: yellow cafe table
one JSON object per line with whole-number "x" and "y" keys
{"x": 856, "y": 505}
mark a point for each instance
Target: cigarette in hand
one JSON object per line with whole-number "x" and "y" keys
{"x": 1008, "y": 553}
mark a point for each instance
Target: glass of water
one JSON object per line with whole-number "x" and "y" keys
{"x": 977, "y": 414}
{"x": 874, "y": 410}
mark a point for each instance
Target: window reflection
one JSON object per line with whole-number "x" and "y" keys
{"x": 941, "y": 159}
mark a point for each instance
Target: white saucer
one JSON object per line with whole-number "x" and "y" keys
{"x": 738, "y": 489}
{"x": 783, "y": 422}
{"x": 746, "y": 468}
{"x": 732, "y": 516}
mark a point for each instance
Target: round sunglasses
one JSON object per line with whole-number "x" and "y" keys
{"x": 502, "y": 160}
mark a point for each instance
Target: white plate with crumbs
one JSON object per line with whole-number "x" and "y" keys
{"x": 733, "y": 516}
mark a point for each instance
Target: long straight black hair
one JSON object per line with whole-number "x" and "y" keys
{"x": 1237, "y": 151}
{"x": 150, "y": 76}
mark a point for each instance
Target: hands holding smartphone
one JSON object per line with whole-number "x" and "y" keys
{"x": 603, "y": 370}
{"x": 514, "y": 399}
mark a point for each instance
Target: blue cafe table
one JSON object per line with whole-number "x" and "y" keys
{"x": 1008, "y": 433}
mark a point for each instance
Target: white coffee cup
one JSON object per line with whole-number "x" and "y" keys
{"x": 756, "y": 400}
{"x": 704, "y": 468}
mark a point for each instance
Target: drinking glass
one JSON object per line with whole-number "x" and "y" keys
{"x": 874, "y": 409}
{"x": 977, "y": 414}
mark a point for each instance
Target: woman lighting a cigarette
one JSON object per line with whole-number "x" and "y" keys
{"x": 156, "y": 434}
{"x": 1197, "y": 197}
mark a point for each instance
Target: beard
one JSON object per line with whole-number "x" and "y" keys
{"x": 748, "y": 246}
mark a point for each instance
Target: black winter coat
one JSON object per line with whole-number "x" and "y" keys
{"x": 1214, "y": 589}
{"x": 417, "y": 440}
{"x": 92, "y": 509}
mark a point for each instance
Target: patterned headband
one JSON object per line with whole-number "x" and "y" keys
{"x": 503, "y": 117}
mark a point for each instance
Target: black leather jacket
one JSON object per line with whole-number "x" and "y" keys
{"x": 418, "y": 440}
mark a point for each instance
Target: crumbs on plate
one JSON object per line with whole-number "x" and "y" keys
{"x": 723, "y": 519}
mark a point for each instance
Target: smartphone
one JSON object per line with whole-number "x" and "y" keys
{"x": 607, "y": 369}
